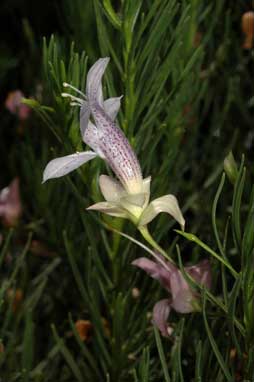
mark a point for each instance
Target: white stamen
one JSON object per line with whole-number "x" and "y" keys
{"x": 75, "y": 104}
{"x": 73, "y": 98}
{"x": 66, "y": 85}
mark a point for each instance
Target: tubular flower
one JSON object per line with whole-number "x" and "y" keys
{"x": 14, "y": 104}
{"x": 128, "y": 197}
{"x": 10, "y": 204}
{"x": 183, "y": 298}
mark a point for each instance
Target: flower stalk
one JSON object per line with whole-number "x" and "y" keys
{"x": 147, "y": 236}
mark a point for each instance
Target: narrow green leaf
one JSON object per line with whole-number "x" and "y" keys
{"x": 87, "y": 354}
{"x": 192, "y": 237}
{"x": 210, "y": 296}
{"x": 236, "y": 207}
{"x": 214, "y": 209}
{"x": 111, "y": 14}
{"x": 28, "y": 345}
{"x": 67, "y": 356}
{"x": 248, "y": 237}
{"x": 215, "y": 346}
{"x": 234, "y": 295}
{"x": 162, "y": 355}
{"x": 199, "y": 362}
{"x": 88, "y": 299}
{"x": 6, "y": 246}
{"x": 144, "y": 365}
{"x": 179, "y": 348}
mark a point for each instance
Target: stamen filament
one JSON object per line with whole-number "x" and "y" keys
{"x": 73, "y": 98}
{"x": 75, "y": 104}
{"x": 66, "y": 85}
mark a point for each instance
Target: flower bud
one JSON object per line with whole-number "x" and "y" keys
{"x": 248, "y": 29}
{"x": 230, "y": 167}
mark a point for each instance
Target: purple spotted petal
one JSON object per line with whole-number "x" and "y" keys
{"x": 91, "y": 138}
{"x": 84, "y": 118}
{"x": 111, "y": 143}
{"x": 117, "y": 151}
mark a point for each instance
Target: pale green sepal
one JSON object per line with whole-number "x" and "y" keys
{"x": 137, "y": 200}
{"x": 109, "y": 209}
{"x": 133, "y": 205}
{"x": 111, "y": 189}
{"x": 166, "y": 203}
{"x": 146, "y": 190}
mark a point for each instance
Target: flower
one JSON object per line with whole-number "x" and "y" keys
{"x": 1, "y": 348}
{"x": 14, "y": 104}
{"x": 128, "y": 197}
{"x": 10, "y": 204}
{"x": 248, "y": 29}
{"x": 84, "y": 329}
{"x": 38, "y": 248}
{"x": 183, "y": 298}
{"x": 15, "y": 297}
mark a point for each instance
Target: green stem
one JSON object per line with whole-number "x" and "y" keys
{"x": 147, "y": 236}
{"x": 192, "y": 237}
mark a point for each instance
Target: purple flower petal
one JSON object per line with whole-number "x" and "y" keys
{"x": 117, "y": 151}
{"x": 10, "y": 203}
{"x": 155, "y": 270}
{"x": 13, "y": 101}
{"x": 161, "y": 312}
{"x": 111, "y": 142}
{"x": 93, "y": 83}
{"x": 182, "y": 294}
{"x": 201, "y": 273}
{"x": 112, "y": 106}
{"x": 91, "y": 138}
{"x": 84, "y": 116}
{"x": 184, "y": 297}
{"x": 63, "y": 165}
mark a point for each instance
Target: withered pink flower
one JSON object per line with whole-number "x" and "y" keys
{"x": 10, "y": 204}
{"x": 14, "y": 104}
{"x": 183, "y": 298}
{"x": 128, "y": 197}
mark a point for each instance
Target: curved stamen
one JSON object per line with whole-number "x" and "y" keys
{"x": 73, "y": 98}
{"x": 75, "y": 104}
{"x": 66, "y": 85}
